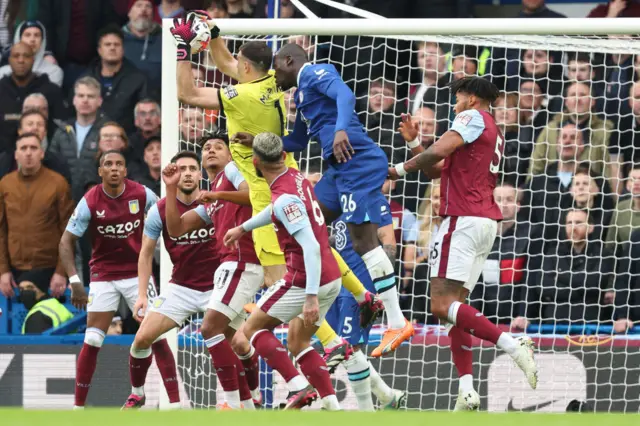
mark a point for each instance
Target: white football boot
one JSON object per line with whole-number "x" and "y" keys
{"x": 523, "y": 357}
{"x": 467, "y": 401}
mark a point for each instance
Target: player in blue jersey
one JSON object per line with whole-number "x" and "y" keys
{"x": 363, "y": 377}
{"x": 356, "y": 173}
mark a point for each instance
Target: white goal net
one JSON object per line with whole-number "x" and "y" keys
{"x": 561, "y": 266}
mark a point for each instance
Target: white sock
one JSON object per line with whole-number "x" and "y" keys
{"x": 465, "y": 384}
{"x": 78, "y": 407}
{"x": 297, "y": 383}
{"x": 381, "y": 270}
{"x": 248, "y": 405}
{"x": 137, "y": 391}
{"x": 255, "y": 394}
{"x": 452, "y": 314}
{"x": 507, "y": 343}
{"x": 249, "y": 354}
{"x": 379, "y": 388}
{"x": 337, "y": 341}
{"x": 330, "y": 402}
{"x": 359, "y": 378}
{"x": 233, "y": 399}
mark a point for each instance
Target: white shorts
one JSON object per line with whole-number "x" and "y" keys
{"x": 284, "y": 301}
{"x": 235, "y": 285}
{"x": 461, "y": 247}
{"x": 104, "y": 296}
{"x": 178, "y": 303}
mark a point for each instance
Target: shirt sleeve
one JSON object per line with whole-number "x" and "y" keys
{"x": 202, "y": 212}
{"x": 409, "y": 227}
{"x": 153, "y": 223}
{"x": 80, "y": 218}
{"x": 290, "y": 210}
{"x": 233, "y": 174}
{"x": 152, "y": 199}
{"x": 229, "y": 97}
{"x": 469, "y": 124}
{"x": 327, "y": 81}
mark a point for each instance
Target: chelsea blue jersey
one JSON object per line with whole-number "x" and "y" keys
{"x": 316, "y": 102}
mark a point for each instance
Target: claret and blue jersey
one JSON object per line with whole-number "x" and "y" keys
{"x": 325, "y": 105}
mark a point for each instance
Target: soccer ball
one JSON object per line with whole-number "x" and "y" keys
{"x": 203, "y": 36}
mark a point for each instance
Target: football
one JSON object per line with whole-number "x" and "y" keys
{"x": 202, "y": 38}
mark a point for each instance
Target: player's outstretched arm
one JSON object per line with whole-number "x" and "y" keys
{"x": 188, "y": 93}
{"x": 298, "y": 139}
{"x": 178, "y": 224}
{"x": 429, "y": 160}
{"x": 222, "y": 57}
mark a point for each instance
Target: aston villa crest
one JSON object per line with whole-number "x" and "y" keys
{"x": 134, "y": 206}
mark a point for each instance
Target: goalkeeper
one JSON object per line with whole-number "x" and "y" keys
{"x": 253, "y": 106}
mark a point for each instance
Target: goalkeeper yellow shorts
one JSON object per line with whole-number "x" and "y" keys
{"x": 265, "y": 240}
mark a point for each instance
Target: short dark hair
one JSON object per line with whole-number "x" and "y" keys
{"x": 28, "y": 135}
{"x": 110, "y": 29}
{"x": 111, "y": 151}
{"x": 578, "y": 209}
{"x": 259, "y": 53}
{"x": 207, "y": 136}
{"x": 477, "y": 86}
{"x": 578, "y": 57}
{"x": 294, "y": 50}
{"x": 29, "y": 113}
{"x": 186, "y": 154}
{"x": 572, "y": 82}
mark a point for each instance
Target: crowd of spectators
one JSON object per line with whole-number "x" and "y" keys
{"x": 80, "y": 77}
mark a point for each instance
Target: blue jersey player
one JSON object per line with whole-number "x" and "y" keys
{"x": 357, "y": 169}
{"x": 343, "y": 317}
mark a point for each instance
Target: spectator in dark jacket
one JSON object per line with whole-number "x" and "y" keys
{"x": 516, "y": 251}
{"x": 71, "y": 32}
{"x": 122, "y": 84}
{"x": 34, "y": 122}
{"x": 77, "y": 141}
{"x": 150, "y": 172}
{"x": 537, "y": 9}
{"x": 575, "y": 276}
{"x": 16, "y": 87}
{"x": 147, "y": 121}
{"x": 627, "y": 286}
{"x": 143, "y": 42}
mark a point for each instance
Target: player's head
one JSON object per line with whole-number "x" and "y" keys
{"x": 473, "y": 93}
{"x": 113, "y": 168}
{"x": 189, "y": 165}
{"x": 578, "y": 225}
{"x": 268, "y": 153}
{"x": 506, "y": 196}
{"x": 287, "y": 63}
{"x": 254, "y": 59}
{"x": 215, "y": 151}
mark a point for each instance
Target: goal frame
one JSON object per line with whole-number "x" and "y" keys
{"x": 355, "y": 27}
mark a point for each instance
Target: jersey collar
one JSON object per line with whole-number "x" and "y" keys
{"x": 105, "y": 192}
{"x": 278, "y": 177}
{"x": 300, "y": 71}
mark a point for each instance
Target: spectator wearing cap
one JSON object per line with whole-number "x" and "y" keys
{"x": 35, "y": 206}
{"x": 147, "y": 121}
{"x": 33, "y": 34}
{"x": 34, "y": 122}
{"x": 70, "y": 29}
{"x": 14, "y": 88}
{"x": 43, "y": 311}
{"x": 151, "y": 174}
{"x": 77, "y": 139}
{"x": 123, "y": 85}
{"x": 143, "y": 42}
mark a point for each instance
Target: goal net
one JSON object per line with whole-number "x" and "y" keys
{"x": 569, "y": 190}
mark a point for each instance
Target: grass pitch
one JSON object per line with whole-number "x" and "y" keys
{"x": 114, "y": 417}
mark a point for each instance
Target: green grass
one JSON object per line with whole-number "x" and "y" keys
{"x": 113, "y": 417}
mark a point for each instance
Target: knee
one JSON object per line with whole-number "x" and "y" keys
{"x": 440, "y": 307}
{"x": 296, "y": 346}
{"x": 143, "y": 340}
{"x": 248, "y": 330}
{"x": 240, "y": 343}
{"x": 94, "y": 337}
{"x": 214, "y": 323}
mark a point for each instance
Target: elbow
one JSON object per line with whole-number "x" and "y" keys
{"x": 174, "y": 231}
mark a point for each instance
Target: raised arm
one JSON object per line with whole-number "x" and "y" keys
{"x": 429, "y": 161}
{"x": 188, "y": 93}
{"x": 221, "y": 55}
{"x": 177, "y": 224}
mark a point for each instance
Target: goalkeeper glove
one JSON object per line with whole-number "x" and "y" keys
{"x": 183, "y": 34}
{"x": 204, "y": 15}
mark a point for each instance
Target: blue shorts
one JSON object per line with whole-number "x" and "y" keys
{"x": 344, "y": 316}
{"x": 355, "y": 187}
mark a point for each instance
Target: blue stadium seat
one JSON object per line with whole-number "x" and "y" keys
{"x": 4, "y": 318}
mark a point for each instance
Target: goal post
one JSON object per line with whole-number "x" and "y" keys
{"x": 594, "y": 365}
